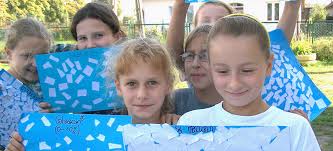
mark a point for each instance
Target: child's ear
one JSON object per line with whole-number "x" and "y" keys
{"x": 118, "y": 35}
{"x": 8, "y": 53}
{"x": 270, "y": 65}
{"x": 117, "y": 83}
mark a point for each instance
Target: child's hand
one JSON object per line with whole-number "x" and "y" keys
{"x": 45, "y": 107}
{"x": 170, "y": 118}
{"x": 15, "y": 143}
{"x": 301, "y": 113}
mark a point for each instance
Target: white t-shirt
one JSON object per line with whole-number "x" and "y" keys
{"x": 302, "y": 135}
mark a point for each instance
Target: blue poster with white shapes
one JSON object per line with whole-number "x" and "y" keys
{"x": 15, "y": 98}
{"x": 289, "y": 86}
{"x": 205, "y": 138}
{"x": 77, "y": 132}
{"x": 74, "y": 81}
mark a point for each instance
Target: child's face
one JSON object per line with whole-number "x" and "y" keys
{"x": 197, "y": 70}
{"x": 21, "y": 59}
{"x": 93, "y": 33}
{"x": 143, "y": 90}
{"x": 209, "y": 14}
{"x": 239, "y": 68}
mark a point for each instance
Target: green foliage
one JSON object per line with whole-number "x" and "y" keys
{"x": 324, "y": 49}
{"x": 55, "y": 12}
{"x": 301, "y": 47}
{"x": 5, "y": 16}
{"x": 154, "y": 32}
{"x": 72, "y": 6}
{"x": 318, "y": 13}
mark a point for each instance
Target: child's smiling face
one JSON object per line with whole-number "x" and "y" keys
{"x": 239, "y": 68}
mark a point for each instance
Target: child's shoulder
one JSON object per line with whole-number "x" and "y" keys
{"x": 287, "y": 118}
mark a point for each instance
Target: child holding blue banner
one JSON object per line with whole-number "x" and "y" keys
{"x": 195, "y": 72}
{"x": 94, "y": 25}
{"x": 26, "y": 38}
{"x": 143, "y": 74}
{"x": 239, "y": 67}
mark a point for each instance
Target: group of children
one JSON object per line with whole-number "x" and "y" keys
{"x": 225, "y": 59}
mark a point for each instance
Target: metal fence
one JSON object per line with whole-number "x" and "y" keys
{"x": 159, "y": 31}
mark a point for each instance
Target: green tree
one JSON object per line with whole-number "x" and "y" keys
{"x": 36, "y": 8}
{"x": 318, "y": 13}
{"x": 27, "y": 8}
{"x": 5, "y": 16}
{"x": 56, "y": 12}
{"x": 17, "y": 8}
{"x": 72, "y": 6}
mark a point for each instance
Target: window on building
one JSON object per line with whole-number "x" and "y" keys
{"x": 239, "y": 7}
{"x": 277, "y": 11}
{"x": 269, "y": 11}
{"x": 273, "y": 10}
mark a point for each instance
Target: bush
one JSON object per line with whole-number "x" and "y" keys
{"x": 318, "y": 13}
{"x": 301, "y": 47}
{"x": 324, "y": 49}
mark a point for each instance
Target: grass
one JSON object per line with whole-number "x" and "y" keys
{"x": 323, "y": 128}
{"x": 321, "y": 74}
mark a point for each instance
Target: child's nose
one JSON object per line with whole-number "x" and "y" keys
{"x": 234, "y": 82}
{"x": 91, "y": 44}
{"x": 196, "y": 62}
{"x": 142, "y": 93}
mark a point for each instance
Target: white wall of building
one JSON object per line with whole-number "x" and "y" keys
{"x": 157, "y": 11}
{"x": 330, "y": 12}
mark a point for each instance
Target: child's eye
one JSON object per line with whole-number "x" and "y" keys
{"x": 99, "y": 35}
{"x": 222, "y": 71}
{"x": 131, "y": 84}
{"x": 248, "y": 70}
{"x": 152, "y": 83}
{"x": 26, "y": 56}
{"x": 83, "y": 38}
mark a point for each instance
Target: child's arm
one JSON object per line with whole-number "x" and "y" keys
{"x": 176, "y": 33}
{"x": 289, "y": 18}
{"x": 15, "y": 143}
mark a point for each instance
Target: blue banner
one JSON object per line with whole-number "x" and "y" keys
{"x": 289, "y": 86}
{"x": 15, "y": 99}
{"x": 77, "y": 132}
{"x": 74, "y": 81}
{"x": 206, "y": 138}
